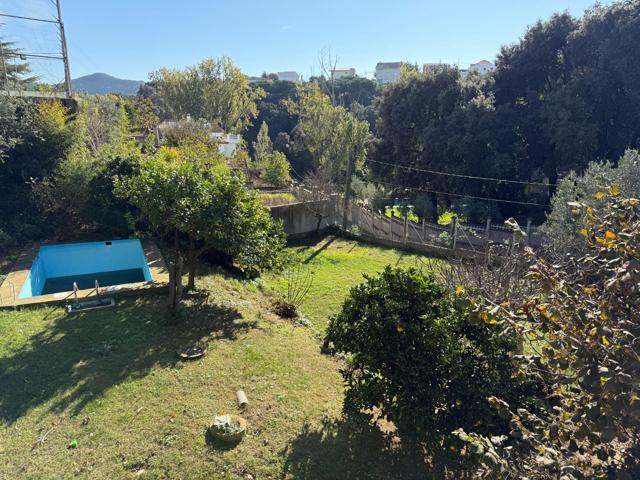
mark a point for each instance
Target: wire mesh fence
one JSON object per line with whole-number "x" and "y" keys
{"x": 455, "y": 236}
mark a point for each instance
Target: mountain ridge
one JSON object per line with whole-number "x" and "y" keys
{"x": 103, "y": 83}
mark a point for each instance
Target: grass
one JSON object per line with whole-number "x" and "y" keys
{"x": 111, "y": 380}
{"x": 274, "y": 199}
{"x": 337, "y": 265}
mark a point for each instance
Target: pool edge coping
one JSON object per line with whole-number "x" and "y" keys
{"x": 13, "y": 283}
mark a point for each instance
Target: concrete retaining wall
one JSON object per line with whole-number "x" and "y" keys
{"x": 304, "y": 218}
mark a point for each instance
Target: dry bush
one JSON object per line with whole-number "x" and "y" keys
{"x": 299, "y": 282}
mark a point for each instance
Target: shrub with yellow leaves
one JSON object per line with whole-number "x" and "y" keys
{"x": 582, "y": 330}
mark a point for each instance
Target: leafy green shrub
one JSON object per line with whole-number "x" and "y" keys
{"x": 424, "y": 206}
{"x": 62, "y": 197}
{"x": 395, "y": 212}
{"x": 275, "y": 169}
{"x": 367, "y": 192}
{"x": 583, "y": 324}
{"x": 110, "y": 214}
{"x": 444, "y": 239}
{"x": 446, "y": 218}
{"x": 6, "y": 242}
{"x": 420, "y": 360}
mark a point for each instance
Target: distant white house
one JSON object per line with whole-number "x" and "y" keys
{"x": 483, "y": 67}
{"x": 338, "y": 73}
{"x": 387, "y": 72}
{"x": 294, "y": 77}
{"x": 227, "y": 142}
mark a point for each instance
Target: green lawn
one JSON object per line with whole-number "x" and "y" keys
{"x": 337, "y": 265}
{"x": 110, "y": 380}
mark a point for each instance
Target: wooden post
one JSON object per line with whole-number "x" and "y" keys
{"x": 454, "y": 232}
{"x": 528, "y": 232}
{"x": 405, "y": 227}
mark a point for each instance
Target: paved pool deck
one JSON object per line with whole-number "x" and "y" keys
{"x": 10, "y": 288}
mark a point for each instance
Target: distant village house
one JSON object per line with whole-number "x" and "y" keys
{"x": 338, "y": 73}
{"x": 387, "y": 72}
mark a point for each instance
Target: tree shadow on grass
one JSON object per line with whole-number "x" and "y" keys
{"x": 349, "y": 450}
{"x": 327, "y": 243}
{"x": 77, "y": 358}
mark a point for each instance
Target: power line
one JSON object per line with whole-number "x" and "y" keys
{"x": 64, "y": 56}
{"x": 489, "y": 199}
{"x": 24, "y": 56}
{"x": 471, "y": 177}
{"x": 28, "y": 18}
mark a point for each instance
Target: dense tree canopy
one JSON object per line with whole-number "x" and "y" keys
{"x": 214, "y": 90}
{"x": 202, "y": 208}
{"x": 565, "y": 95}
{"x": 332, "y": 135}
{"x": 272, "y": 110}
{"x": 441, "y": 123}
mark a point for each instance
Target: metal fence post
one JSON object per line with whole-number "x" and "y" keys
{"x": 528, "y": 232}
{"x": 424, "y": 231}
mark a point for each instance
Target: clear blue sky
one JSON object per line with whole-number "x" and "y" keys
{"x": 130, "y": 38}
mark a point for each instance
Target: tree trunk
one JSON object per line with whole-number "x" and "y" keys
{"x": 434, "y": 214}
{"x": 175, "y": 275}
{"x": 175, "y": 283}
{"x": 191, "y": 284}
{"x": 179, "y": 287}
{"x": 172, "y": 286}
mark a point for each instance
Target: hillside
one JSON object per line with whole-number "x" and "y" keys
{"x": 101, "y": 83}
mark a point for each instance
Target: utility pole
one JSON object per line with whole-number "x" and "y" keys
{"x": 4, "y": 66}
{"x": 65, "y": 55}
{"x": 63, "y": 43}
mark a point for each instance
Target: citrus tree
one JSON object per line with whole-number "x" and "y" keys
{"x": 417, "y": 358}
{"x": 200, "y": 208}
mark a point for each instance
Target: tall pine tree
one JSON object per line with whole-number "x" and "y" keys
{"x": 14, "y": 70}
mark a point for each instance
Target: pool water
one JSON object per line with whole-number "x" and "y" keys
{"x": 57, "y": 267}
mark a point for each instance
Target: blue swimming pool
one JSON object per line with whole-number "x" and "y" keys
{"x": 57, "y": 267}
